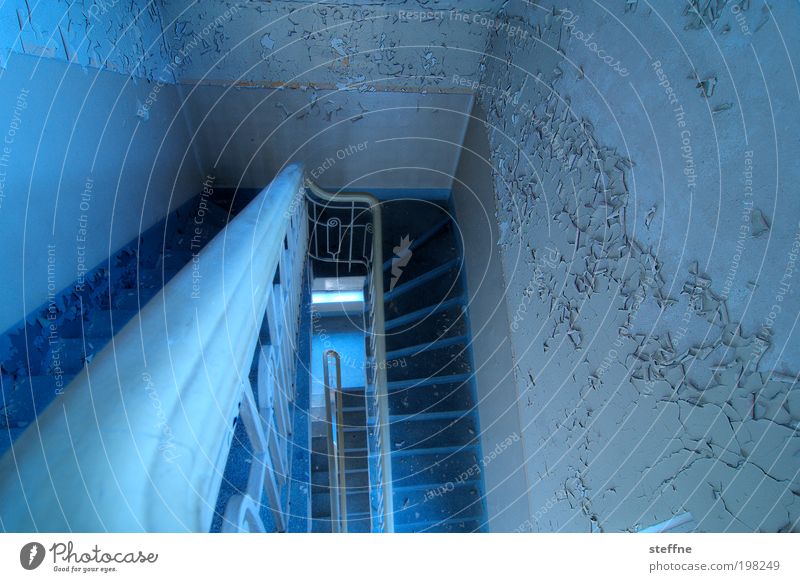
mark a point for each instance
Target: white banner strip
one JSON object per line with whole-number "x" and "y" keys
{"x": 417, "y": 557}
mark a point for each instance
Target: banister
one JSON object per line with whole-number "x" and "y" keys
{"x": 376, "y": 274}
{"x": 334, "y": 417}
{"x": 139, "y": 439}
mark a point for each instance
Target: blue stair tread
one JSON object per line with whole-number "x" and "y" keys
{"x": 419, "y": 349}
{"x": 439, "y": 324}
{"x": 456, "y": 525}
{"x": 425, "y": 434}
{"x": 422, "y": 239}
{"x": 419, "y": 314}
{"x": 431, "y": 398}
{"x": 427, "y": 381}
{"x": 436, "y": 450}
{"x": 427, "y": 416}
{"x": 356, "y": 523}
{"x": 424, "y": 292}
{"x": 358, "y": 502}
{"x": 432, "y": 275}
{"x": 440, "y": 502}
{"x": 354, "y": 478}
{"x": 430, "y": 469}
{"x": 448, "y": 360}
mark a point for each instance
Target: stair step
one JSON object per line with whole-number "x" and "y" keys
{"x": 353, "y": 400}
{"x": 319, "y": 444}
{"x": 357, "y": 503}
{"x": 320, "y": 526}
{"x": 442, "y": 526}
{"x": 419, "y": 293}
{"x": 357, "y": 478}
{"x": 422, "y": 239}
{"x": 429, "y": 469}
{"x": 354, "y": 417}
{"x": 418, "y": 349}
{"x": 414, "y": 316}
{"x": 428, "y": 381}
{"x": 438, "y": 397}
{"x": 355, "y": 439}
{"x": 430, "y": 416}
{"x": 408, "y": 217}
{"x": 422, "y": 433}
{"x": 356, "y": 459}
{"x": 358, "y": 523}
{"x": 450, "y": 360}
{"x": 437, "y": 325}
{"x": 445, "y": 502}
{"x": 428, "y": 277}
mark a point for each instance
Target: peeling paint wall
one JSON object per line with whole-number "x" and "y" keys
{"x": 125, "y": 37}
{"x": 353, "y": 140}
{"x": 648, "y": 221}
{"x": 267, "y": 83}
{"x": 365, "y": 45}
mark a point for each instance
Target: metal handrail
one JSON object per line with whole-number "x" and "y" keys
{"x": 376, "y": 284}
{"x": 336, "y": 461}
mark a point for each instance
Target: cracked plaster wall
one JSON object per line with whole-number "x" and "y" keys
{"x": 368, "y": 46}
{"x": 652, "y": 379}
{"x": 124, "y": 37}
{"x": 267, "y": 83}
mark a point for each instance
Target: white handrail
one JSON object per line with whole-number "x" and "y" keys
{"x": 139, "y": 439}
{"x": 381, "y": 382}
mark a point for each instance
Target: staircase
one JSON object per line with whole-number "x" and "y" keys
{"x": 44, "y": 353}
{"x": 355, "y": 464}
{"x": 436, "y": 458}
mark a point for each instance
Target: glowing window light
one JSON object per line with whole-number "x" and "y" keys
{"x": 337, "y": 297}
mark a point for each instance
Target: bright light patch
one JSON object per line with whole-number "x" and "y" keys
{"x": 337, "y": 297}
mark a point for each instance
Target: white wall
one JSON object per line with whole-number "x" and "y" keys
{"x": 328, "y": 44}
{"x": 356, "y": 91}
{"x": 503, "y": 464}
{"x": 635, "y": 403}
{"x": 69, "y": 132}
{"x": 345, "y": 139}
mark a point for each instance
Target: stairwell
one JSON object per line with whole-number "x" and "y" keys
{"x": 355, "y": 465}
{"x": 434, "y": 429}
{"x": 436, "y": 469}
